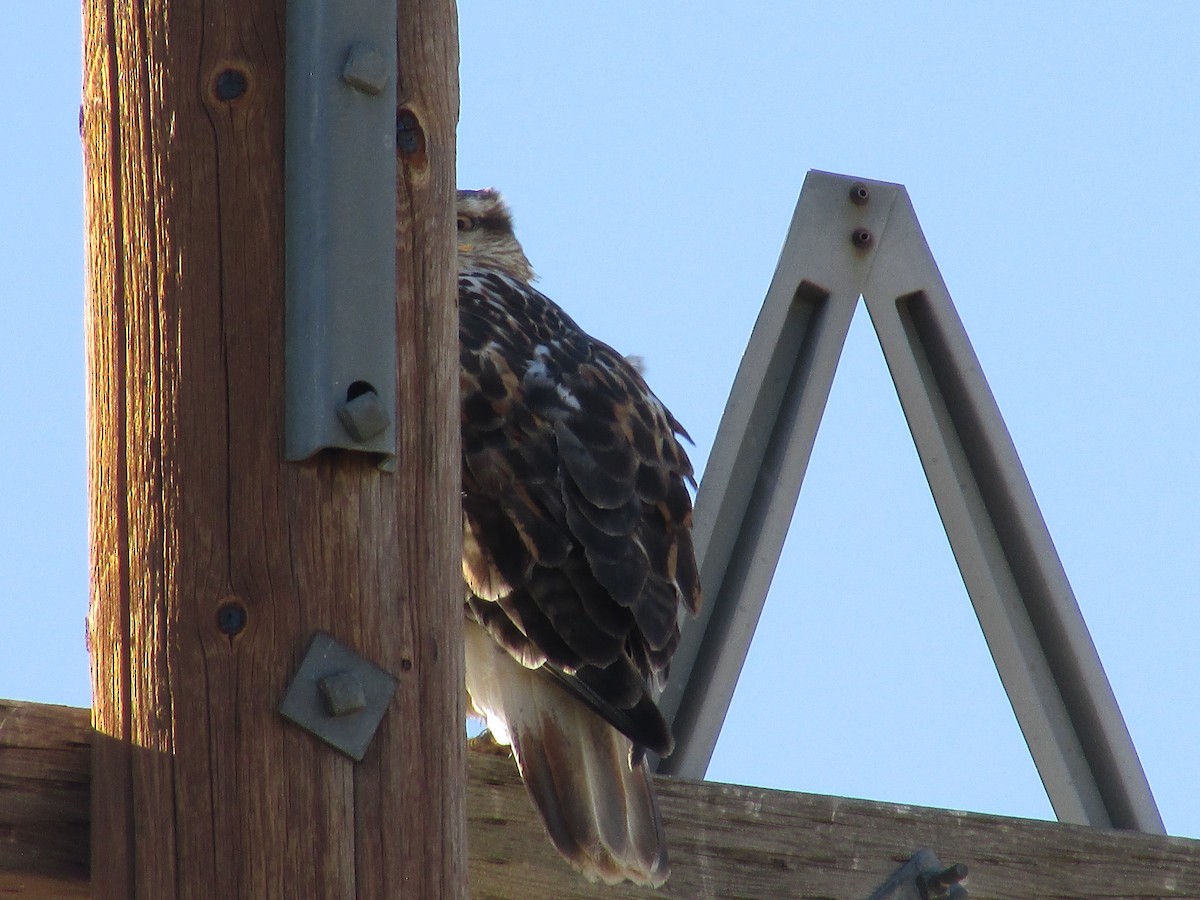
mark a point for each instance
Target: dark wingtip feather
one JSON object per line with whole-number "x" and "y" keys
{"x": 641, "y": 721}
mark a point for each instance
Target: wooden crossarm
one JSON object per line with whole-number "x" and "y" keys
{"x": 726, "y": 840}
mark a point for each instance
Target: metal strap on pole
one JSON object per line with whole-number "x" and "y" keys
{"x": 850, "y": 237}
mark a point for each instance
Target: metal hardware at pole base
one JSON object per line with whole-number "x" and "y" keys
{"x": 924, "y": 878}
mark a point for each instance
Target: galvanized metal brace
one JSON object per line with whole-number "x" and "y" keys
{"x": 850, "y": 238}
{"x": 340, "y": 228}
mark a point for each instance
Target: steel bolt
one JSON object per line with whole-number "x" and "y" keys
{"x": 861, "y": 238}
{"x": 363, "y": 413}
{"x": 342, "y": 694}
{"x": 365, "y": 69}
{"x": 859, "y": 195}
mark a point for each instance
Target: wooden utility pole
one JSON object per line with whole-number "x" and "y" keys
{"x": 213, "y": 560}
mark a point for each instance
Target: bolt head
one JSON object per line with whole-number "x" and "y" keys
{"x": 364, "y": 416}
{"x": 365, "y": 69}
{"x": 862, "y": 238}
{"x": 342, "y": 694}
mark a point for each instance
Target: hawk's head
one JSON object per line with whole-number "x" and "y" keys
{"x": 485, "y": 235}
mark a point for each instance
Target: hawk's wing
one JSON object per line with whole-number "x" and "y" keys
{"x": 577, "y": 553}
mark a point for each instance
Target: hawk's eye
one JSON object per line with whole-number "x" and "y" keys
{"x": 465, "y": 223}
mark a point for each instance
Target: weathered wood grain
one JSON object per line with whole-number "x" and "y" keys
{"x": 201, "y": 790}
{"x": 727, "y": 841}
{"x": 731, "y": 841}
{"x": 45, "y": 754}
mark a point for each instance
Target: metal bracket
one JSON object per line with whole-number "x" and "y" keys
{"x": 924, "y": 878}
{"x": 745, "y": 501}
{"x": 852, "y": 238}
{"x": 340, "y": 228}
{"x": 338, "y": 696}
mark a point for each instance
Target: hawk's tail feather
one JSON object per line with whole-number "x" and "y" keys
{"x": 593, "y": 794}
{"x": 600, "y": 812}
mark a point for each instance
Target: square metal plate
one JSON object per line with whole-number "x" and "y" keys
{"x": 338, "y": 696}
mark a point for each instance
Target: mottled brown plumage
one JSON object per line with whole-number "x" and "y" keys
{"x": 577, "y": 554}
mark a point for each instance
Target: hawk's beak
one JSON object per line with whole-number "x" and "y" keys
{"x": 465, "y": 248}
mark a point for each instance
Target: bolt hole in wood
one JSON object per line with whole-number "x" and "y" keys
{"x": 410, "y": 138}
{"x": 230, "y": 83}
{"x": 231, "y": 618}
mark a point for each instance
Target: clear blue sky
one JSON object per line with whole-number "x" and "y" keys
{"x": 653, "y": 154}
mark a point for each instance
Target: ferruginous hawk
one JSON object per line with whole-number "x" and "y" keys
{"x": 577, "y": 554}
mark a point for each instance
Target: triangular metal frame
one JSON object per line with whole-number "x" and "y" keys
{"x": 850, "y": 238}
